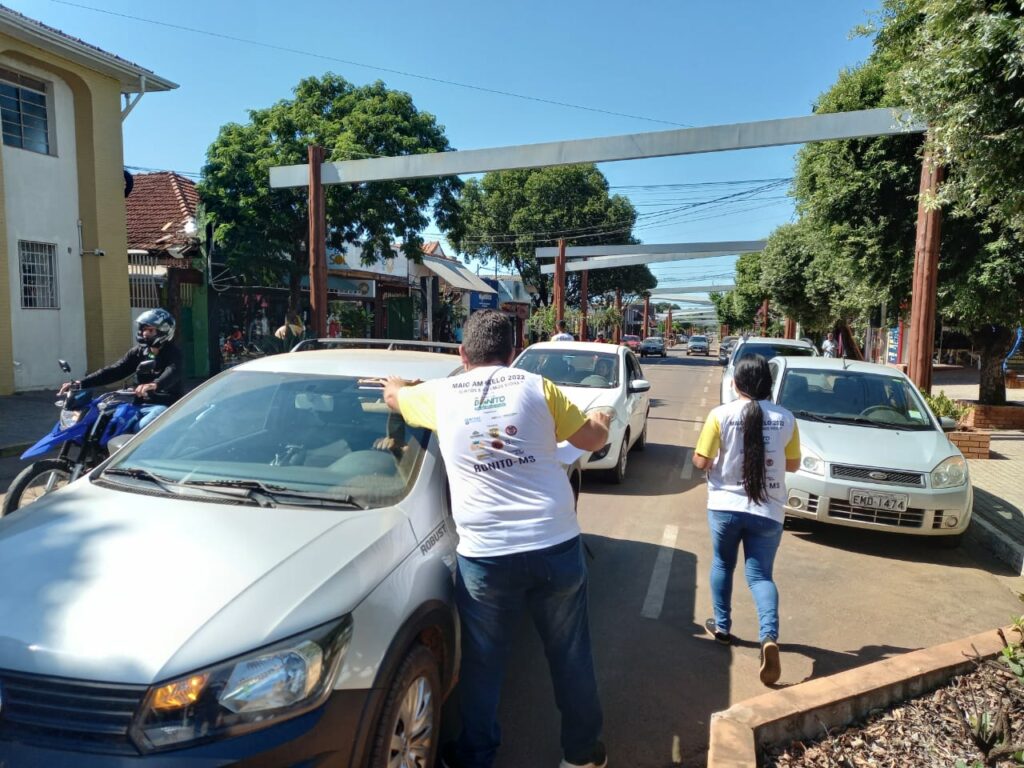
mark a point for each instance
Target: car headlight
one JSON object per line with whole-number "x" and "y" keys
{"x": 950, "y": 473}
{"x": 68, "y": 419}
{"x": 252, "y": 691}
{"x": 811, "y": 462}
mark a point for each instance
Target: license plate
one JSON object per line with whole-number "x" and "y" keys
{"x": 888, "y": 502}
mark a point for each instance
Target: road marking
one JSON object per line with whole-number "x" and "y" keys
{"x": 655, "y": 599}
{"x": 686, "y": 472}
{"x": 696, "y": 426}
{"x": 703, "y": 401}
{"x": 705, "y": 390}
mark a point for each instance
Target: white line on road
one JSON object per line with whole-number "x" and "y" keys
{"x": 705, "y": 390}
{"x": 655, "y": 599}
{"x": 703, "y": 401}
{"x": 686, "y": 472}
{"x": 696, "y": 426}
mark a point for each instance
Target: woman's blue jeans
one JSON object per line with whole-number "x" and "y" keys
{"x": 760, "y": 537}
{"x": 491, "y": 594}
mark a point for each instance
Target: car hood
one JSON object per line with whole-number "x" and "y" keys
{"x": 868, "y": 447}
{"x": 590, "y": 397}
{"x": 122, "y": 587}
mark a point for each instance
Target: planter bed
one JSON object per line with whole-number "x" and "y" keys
{"x": 972, "y": 443}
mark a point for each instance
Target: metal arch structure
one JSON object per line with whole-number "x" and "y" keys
{"x": 587, "y": 258}
{"x": 685, "y": 141}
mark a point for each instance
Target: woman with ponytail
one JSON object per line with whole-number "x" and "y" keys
{"x": 747, "y": 447}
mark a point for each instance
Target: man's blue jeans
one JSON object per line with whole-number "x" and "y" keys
{"x": 147, "y": 413}
{"x": 760, "y": 537}
{"x": 491, "y": 593}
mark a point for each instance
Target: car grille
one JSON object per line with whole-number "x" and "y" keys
{"x": 812, "y": 503}
{"x": 63, "y": 713}
{"x": 892, "y": 476}
{"x": 841, "y": 510}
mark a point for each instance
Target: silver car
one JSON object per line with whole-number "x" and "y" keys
{"x": 872, "y": 454}
{"x": 698, "y": 345}
{"x": 263, "y": 576}
{"x": 765, "y": 347}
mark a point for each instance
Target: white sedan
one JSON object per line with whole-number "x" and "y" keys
{"x": 593, "y": 376}
{"x": 872, "y": 453}
{"x": 764, "y": 347}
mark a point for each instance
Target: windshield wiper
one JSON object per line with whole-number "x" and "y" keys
{"x": 809, "y": 415}
{"x": 267, "y": 495}
{"x": 863, "y": 421}
{"x": 137, "y": 473}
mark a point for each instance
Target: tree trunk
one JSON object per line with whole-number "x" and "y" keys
{"x": 851, "y": 350}
{"x": 993, "y": 343}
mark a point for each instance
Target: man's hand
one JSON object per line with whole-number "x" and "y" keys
{"x": 602, "y": 417}
{"x": 143, "y": 390}
{"x": 391, "y": 386}
{"x": 66, "y": 387}
{"x": 593, "y": 435}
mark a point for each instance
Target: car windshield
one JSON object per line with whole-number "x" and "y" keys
{"x": 570, "y": 368}
{"x": 330, "y": 438}
{"x": 698, "y": 339}
{"x": 854, "y": 397}
{"x": 627, "y": 337}
{"x": 768, "y": 351}
{"x": 653, "y": 340}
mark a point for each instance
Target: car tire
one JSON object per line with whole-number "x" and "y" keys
{"x": 950, "y": 542}
{"x": 617, "y": 474}
{"x": 664, "y": 354}
{"x": 409, "y": 725}
{"x": 641, "y": 442}
{"x": 27, "y": 476}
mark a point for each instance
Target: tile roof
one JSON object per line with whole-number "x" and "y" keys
{"x": 158, "y": 210}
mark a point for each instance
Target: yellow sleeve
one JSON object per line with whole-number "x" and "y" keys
{"x": 710, "y": 439}
{"x": 568, "y": 418}
{"x": 418, "y": 405}
{"x": 793, "y": 446}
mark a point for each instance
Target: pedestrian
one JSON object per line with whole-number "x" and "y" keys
{"x": 519, "y": 540}
{"x": 600, "y": 339}
{"x": 562, "y": 333}
{"x": 828, "y": 346}
{"x": 747, "y": 446}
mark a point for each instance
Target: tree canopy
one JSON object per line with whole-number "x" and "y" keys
{"x": 508, "y": 214}
{"x": 263, "y": 231}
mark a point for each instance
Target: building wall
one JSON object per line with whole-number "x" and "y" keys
{"x": 41, "y": 205}
{"x": 99, "y": 184}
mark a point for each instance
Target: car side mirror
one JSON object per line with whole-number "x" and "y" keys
{"x": 947, "y": 424}
{"x": 64, "y": 366}
{"x": 639, "y": 385}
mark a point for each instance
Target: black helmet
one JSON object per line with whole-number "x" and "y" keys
{"x": 160, "y": 319}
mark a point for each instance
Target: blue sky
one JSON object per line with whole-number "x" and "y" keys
{"x": 677, "y": 61}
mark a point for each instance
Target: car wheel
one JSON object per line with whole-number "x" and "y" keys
{"x": 641, "y": 442}
{"x": 617, "y": 474}
{"x": 409, "y": 727}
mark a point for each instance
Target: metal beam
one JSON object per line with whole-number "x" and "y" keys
{"x": 628, "y": 260}
{"x": 703, "y": 302}
{"x": 684, "y": 289}
{"x": 682, "y": 141}
{"x": 667, "y": 249}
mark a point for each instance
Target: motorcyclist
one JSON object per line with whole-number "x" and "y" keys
{"x": 159, "y": 387}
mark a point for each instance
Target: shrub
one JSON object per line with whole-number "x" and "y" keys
{"x": 942, "y": 405}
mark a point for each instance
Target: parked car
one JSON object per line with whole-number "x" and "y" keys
{"x": 631, "y": 341}
{"x": 598, "y": 376}
{"x": 698, "y": 345}
{"x": 873, "y": 455}
{"x": 653, "y": 345}
{"x": 725, "y": 347}
{"x": 765, "y": 347}
{"x": 262, "y": 576}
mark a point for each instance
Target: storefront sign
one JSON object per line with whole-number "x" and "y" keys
{"x": 479, "y": 300}
{"x": 892, "y": 347}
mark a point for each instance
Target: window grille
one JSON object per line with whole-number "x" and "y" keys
{"x": 143, "y": 284}
{"x": 38, "y": 275}
{"x": 24, "y": 122}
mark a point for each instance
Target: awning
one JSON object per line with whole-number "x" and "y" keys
{"x": 456, "y": 275}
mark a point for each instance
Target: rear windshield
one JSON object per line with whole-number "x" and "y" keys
{"x": 768, "y": 351}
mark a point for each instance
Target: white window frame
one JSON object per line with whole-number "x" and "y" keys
{"x": 37, "y": 86}
{"x": 41, "y": 260}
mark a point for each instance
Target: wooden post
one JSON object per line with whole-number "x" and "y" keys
{"x": 317, "y": 244}
{"x": 925, "y": 281}
{"x": 668, "y": 326}
{"x": 647, "y": 315}
{"x": 617, "y": 335}
{"x": 559, "y": 292}
{"x": 764, "y": 318}
{"x": 584, "y": 300}
{"x": 790, "y": 332}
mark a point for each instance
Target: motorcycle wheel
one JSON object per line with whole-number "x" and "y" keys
{"x": 35, "y": 481}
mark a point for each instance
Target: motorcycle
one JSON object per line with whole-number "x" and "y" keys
{"x": 84, "y": 431}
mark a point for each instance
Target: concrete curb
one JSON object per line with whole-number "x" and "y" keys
{"x": 14, "y": 450}
{"x": 997, "y": 542}
{"x": 807, "y": 710}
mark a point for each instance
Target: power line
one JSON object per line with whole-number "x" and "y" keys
{"x": 285, "y": 49}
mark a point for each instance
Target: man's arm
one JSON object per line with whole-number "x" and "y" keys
{"x": 114, "y": 372}
{"x": 414, "y": 400}
{"x": 593, "y": 435}
{"x": 708, "y": 444}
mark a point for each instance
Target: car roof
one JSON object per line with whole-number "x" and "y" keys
{"x": 777, "y": 341}
{"x": 359, "y": 362}
{"x": 574, "y": 346}
{"x": 837, "y": 364}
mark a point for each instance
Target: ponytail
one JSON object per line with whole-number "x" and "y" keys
{"x": 753, "y": 378}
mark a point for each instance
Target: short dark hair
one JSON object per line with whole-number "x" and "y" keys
{"x": 561, "y": 325}
{"x": 487, "y": 337}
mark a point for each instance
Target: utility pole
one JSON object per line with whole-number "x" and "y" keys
{"x": 559, "y": 291}
{"x": 617, "y": 336}
{"x": 317, "y": 243}
{"x": 925, "y": 281}
{"x": 584, "y": 300}
{"x": 647, "y": 314}
{"x": 668, "y": 326}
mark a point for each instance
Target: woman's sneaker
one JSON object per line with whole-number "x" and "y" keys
{"x": 599, "y": 759}
{"x": 771, "y": 667}
{"x": 724, "y": 638}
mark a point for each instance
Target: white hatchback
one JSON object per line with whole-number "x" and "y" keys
{"x": 764, "y": 347}
{"x": 593, "y": 376}
{"x": 872, "y": 453}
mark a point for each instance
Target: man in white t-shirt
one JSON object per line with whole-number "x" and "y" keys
{"x": 562, "y": 334}
{"x": 828, "y": 346}
{"x": 519, "y": 541}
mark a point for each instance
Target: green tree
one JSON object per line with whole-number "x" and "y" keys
{"x": 264, "y": 231}
{"x": 508, "y": 214}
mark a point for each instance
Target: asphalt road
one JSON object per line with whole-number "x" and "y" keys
{"x": 847, "y": 598}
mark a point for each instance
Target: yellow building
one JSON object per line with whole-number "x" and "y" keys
{"x": 63, "y": 251}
